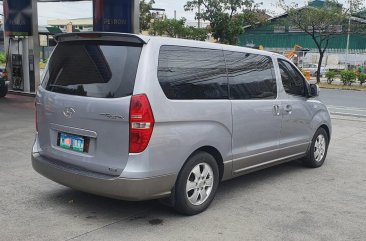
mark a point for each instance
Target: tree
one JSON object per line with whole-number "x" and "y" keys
{"x": 2, "y": 58}
{"x": 227, "y": 17}
{"x": 321, "y": 23}
{"x": 348, "y": 77}
{"x": 168, "y": 27}
{"x": 195, "y": 33}
{"x": 145, "y": 14}
{"x": 176, "y": 28}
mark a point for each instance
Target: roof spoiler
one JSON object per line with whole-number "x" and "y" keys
{"x": 104, "y": 36}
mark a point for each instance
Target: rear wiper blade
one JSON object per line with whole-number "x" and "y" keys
{"x": 59, "y": 86}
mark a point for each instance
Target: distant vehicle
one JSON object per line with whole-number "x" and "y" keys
{"x": 313, "y": 68}
{"x": 3, "y": 83}
{"x": 140, "y": 117}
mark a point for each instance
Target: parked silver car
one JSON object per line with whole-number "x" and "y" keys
{"x": 136, "y": 117}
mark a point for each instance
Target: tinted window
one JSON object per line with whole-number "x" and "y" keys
{"x": 92, "y": 69}
{"x": 192, "y": 73}
{"x": 292, "y": 80}
{"x": 251, "y": 76}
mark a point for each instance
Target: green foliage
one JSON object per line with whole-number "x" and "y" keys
{"x": 169, "y": 27}
{"x": 227, "y": 17}
{"x": 145, "y": 15}
{"x": 362, "y": 78}
{"x": 348, "y": 77}
{"x": 2, "y": 58}
{"x": 330, "y": 75}
{"x": 195, "y": 33}
{"x": 177, "y": 29}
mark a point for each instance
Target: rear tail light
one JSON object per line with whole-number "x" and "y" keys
{"x": 141, "y": 123}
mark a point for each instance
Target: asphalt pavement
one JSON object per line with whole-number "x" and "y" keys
{"x": 344, "y": 102}
{"x": 285, "y": 202}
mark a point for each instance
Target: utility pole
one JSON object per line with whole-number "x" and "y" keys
{"x": 348, "y": 31}
{"x": 199, "y": 15}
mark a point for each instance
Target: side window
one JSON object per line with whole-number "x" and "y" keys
{"x": 292, "y": 80}
{"x": 251, "y": 76}
{"x": 192, "y": 73}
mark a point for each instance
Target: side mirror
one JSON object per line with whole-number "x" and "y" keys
{"x": 314, "y": 90}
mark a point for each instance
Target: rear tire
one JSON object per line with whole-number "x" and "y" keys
{"x": 318, "y": 149}
{"x": 3, "y": 91}
{"x": 196, "y": 184}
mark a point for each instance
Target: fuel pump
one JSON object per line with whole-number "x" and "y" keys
{"x": 17, "y": 70}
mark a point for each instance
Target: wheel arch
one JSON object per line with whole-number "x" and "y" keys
{"x": 326, "y": 128}
{"x": 321, "y": 119}
{"x": 216, "y": 154}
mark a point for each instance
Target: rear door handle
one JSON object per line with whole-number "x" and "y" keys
{"x": 288, "y": 109}
{"x": 276, "y": 110}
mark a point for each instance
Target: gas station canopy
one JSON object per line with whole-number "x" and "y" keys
{"x": 63, "y": 0}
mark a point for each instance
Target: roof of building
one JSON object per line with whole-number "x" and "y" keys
{"x": 76, "y": 21}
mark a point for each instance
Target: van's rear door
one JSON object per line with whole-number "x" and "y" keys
{"x": 83, "y": 104}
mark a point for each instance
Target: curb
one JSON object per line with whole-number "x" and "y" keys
{"x": 14, "y": 92}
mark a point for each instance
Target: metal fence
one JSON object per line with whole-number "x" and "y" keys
{"x": 333, "y": 58}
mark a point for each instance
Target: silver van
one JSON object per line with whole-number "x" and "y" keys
{"x": 136, "y": 117}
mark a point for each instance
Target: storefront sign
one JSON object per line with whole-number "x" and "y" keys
{"x": 18, "y": 17}
{"x": 113, "y": 15}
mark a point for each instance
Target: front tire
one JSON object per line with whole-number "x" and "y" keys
{"x": 318, "y": 149}
{"x": 196, "y": 184}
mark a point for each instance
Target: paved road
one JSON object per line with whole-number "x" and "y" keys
{"x": 286, "y": 202}
{"x": 345, "y": 102}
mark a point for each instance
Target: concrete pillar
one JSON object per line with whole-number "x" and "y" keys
{"x": 136, "y": 16}
{"x": 69, "y": 27}
{"x": 34, "y": 46}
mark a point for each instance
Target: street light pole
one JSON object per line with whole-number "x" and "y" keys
{"x": 199, "y": 15}
{"x": 348, "y": 31}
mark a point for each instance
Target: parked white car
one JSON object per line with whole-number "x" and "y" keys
{"x": 313, "y": 68}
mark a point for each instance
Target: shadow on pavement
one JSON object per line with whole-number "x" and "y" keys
{"x": 18, "y": 101}
{"x": 79, "y": 204}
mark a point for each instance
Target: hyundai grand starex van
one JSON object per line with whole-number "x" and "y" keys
{"x": 136, "y": 117}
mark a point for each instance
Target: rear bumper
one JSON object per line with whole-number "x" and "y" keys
{"x": 114, "y": 187}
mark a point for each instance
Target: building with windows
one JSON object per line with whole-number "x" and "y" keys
{"x": 78, "y": 24}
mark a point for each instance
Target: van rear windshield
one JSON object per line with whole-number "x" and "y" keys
{"x": 93, "y": 69}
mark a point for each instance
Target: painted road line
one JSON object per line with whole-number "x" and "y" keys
{"x": 348, "y": 114}
{"x": 347, "y": 111}
{"x": 346, "y": 107}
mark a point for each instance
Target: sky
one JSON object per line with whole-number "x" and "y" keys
{"x": 69, "y": 10}
{"x": 63, "y": 10}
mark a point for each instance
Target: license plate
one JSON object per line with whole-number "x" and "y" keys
{"x": 71, "y": 142}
